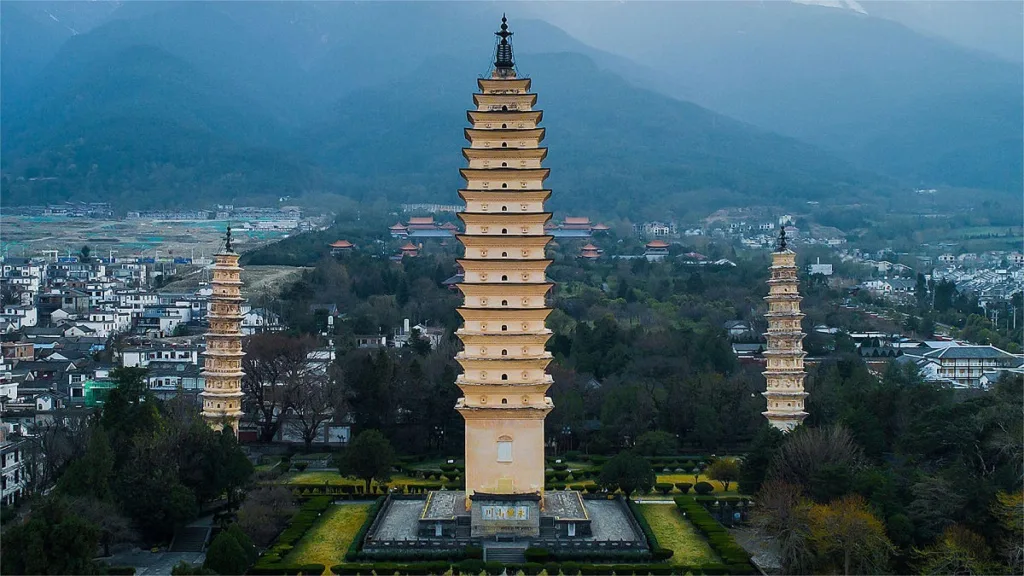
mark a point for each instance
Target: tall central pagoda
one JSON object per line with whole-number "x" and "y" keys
{"x": 504, "y": 382}
{"x": 785, "y": 370}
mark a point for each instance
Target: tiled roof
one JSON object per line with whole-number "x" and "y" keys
{"x": 969, "y": 352}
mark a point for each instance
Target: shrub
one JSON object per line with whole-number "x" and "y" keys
{"x": 577, "y": 487}
{"x": 551, "y": 567}
{"x": 312, "y": 569}
{"x": 537, "y": 555}
{"x": 471, "y": 566}
{"x": 532, "y": 568}
{"x": 226, "y": 555}
{"x": 684, "y": 487}
{"x": 663, "y": 487}
{"x": 474, "y": 553}
{"x": 494, "y": 568}
{"x": 591, "y": 488}
{"x": 562, "y": 475}
{"x": 703, "y": 488}
{"x": 570, "y": 568}
{"x": 560, "y": 466}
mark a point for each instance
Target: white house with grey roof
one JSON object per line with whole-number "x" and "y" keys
{"x": 965, "y": 365}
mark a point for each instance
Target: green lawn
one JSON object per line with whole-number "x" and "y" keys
{"x": 675, "y": 532}
{"x": 328, "y": 540}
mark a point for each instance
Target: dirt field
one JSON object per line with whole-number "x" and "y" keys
{"x": 256, "y": 280}
{"x": 33, "y": 235}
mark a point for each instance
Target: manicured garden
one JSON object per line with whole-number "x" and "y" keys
{"x": 326, "y": 542}
{"x": 674, "y": 532}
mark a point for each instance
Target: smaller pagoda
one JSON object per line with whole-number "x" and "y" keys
{"x": 590, "y": 252}
{"x": 222, "y": 396}
{"x": 785, "y": 370}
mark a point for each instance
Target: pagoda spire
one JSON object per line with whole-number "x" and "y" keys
{"x": 782, "y": 239}
{"x": 504, "y": 64}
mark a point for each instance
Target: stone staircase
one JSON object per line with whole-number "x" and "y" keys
{"x": 505, "y": 554}
{"x": 190, "y": 539}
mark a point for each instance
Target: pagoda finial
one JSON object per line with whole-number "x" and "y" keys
{"x": 227, "y": 240}
{"x": 782, "y": 238}
{"x": 503, "y": 62}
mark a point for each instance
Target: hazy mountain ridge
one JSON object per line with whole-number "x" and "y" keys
{"x": 373, "y": 111}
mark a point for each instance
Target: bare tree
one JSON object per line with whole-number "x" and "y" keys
{"x": 265, "y": 512}
{"x": 315, "y": 397}
{"x": 272, "y": 364}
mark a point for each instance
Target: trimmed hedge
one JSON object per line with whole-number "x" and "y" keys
{"x": 652, "y": 540}
{"x": 737, "y": 559}
{"x": 356, "y": 546}
{"x": 703, "y": 488}
{"x": 684, "y": 487}
{"x": 468, "y": 567}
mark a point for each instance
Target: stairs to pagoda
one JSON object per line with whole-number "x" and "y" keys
{"x": 505, "y": 554}
{"x": 190, "y": 539}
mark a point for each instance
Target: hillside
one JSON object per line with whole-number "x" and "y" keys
{"x": 161, "y": 101}
{"x": 869, "y": 89}
{"x": 616, "y": 150}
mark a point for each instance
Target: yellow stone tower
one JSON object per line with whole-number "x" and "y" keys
{"x": 785, "y": 371}
{"x": 504, "y": 382}
{"x": 222, "y": 397}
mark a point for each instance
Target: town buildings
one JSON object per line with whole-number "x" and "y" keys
{"x": 504, "y": 383}
{"x": 784, "y": 372}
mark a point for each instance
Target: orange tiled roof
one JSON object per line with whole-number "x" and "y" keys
{"x": 422, "y": 220}
{"x": 398, "y": 226}
{"x": 341, "y": 244}
{"x": 657, "y": 244}
{"x": 577, "y": 220}
{"x": 409, "y": 246}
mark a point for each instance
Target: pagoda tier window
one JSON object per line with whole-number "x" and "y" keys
{"x": 505, "y": 184}
{"x": 504, "y": 278}
{"x": 504, "y": 108}
{"x": 504, "y": 376}
{"x": 504, "y": 144}
{"x": 504, "y": 352}
{"x": 504, "y": 164}
{"x": 504, "y": 400}
{"x": 504, "y": 208}
{"x": 504, "y": 125}
{"x": 504, "y": 327}
{"x": 504, "y": 254}
{"x": 504, "y": 230}
{"x": 504, "y": 302}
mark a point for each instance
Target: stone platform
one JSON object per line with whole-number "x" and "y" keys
{"x": 563, "y": 520}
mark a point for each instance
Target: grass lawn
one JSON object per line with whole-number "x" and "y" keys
{"x": 332, "y": 478}
{"x": 328, "y": 540}
{"x": 675, "y": 532}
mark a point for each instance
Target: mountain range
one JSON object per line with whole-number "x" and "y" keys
{"x": 159, "y": 104}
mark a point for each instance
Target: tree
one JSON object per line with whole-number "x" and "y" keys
{"x": 724, "y": 470}
{"x": 151, "y": 493}
{"x": 656, "y": 443}
{"x": 807, "y": 450}
{"x": 1008, "y": 510}
{"x": 273, "y": 362}
{"x": 957, "y": 551}
{"x": 846, "y": 535}
{"x": 784, "y": 514}
{"x": 85, "y": 253}
{"x": 113, "y": 527}
{"x": 369, "y": 457}
{"x": 226, "y": 555}
{"x": 755, "y": 464}
{"x": 314, "y": 397}
{"x": 629, "y": 472}
{"x": 52, "y": 541}
{"x": 265, "y": 512}
{"x": 180, "y": 330}
{"x": 91, "y": 474}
